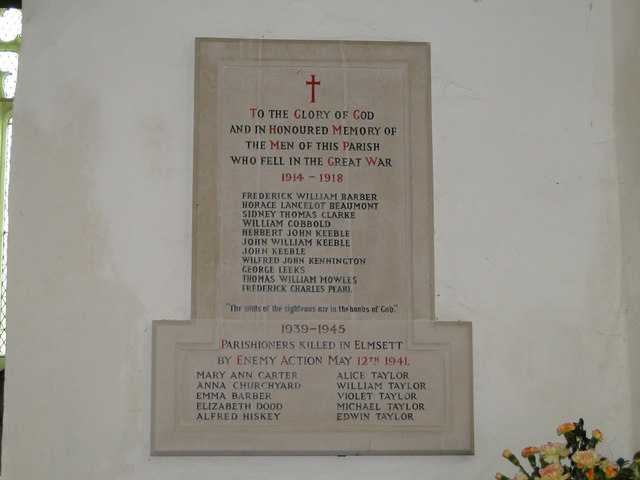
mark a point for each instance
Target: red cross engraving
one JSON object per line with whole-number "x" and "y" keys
{"x": 313, "y": 84}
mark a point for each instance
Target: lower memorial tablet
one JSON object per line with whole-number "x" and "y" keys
{"x": 234, "y": 387}
{"x": 313, "y": 326}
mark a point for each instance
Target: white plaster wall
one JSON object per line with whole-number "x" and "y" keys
{"x": 527, "y": 219}
{"x": 626, "y": 27}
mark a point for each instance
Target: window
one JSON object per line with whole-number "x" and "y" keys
{"x": 10, "y": 39}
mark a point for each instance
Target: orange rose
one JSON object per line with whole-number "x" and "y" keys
{"x": 610, "y": 472}
{"x": 597, "y": 434}
{"x": 565, "y": 427}
{"x": 527, "y": 452}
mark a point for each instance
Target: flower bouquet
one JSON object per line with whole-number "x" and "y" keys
{"x": 576, "y": 459}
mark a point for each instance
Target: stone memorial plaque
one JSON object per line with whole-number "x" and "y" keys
{"x": 313, "y": 327}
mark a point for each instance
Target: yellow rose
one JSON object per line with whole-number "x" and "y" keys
{"x": 553, "y": 452}
{"x": 555, "y": 471}
{"x": 586, "y": 458}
